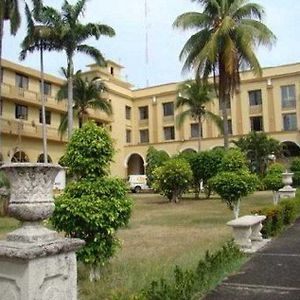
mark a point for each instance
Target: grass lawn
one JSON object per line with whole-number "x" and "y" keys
{"x": 161, "y": 235}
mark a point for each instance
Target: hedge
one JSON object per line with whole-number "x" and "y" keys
{"x": 279, "y": 216}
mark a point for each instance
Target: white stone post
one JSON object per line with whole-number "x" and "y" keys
{"x": 35, "y": 263}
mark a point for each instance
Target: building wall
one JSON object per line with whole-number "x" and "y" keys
{"x": 27, "y": 134}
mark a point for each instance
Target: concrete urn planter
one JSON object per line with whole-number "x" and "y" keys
{"x": 287, "y": 191}
{"x": 31, "y": 199}
{"x": 35, "y": 262}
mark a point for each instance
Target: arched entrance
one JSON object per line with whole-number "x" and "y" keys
{"x": 135, "y": 165}
{"x": 188, "y": 150}
{"x": 290, "y": 149}
{"x": 20, "y": 156}
{"x": 41, "y": 158}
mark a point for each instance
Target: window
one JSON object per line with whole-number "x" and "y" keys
{"x": 289, "y": 122}
{"x": 128, "y": 112}
{"x": 195, "y": 130}
{"x": 169, "y": 133}
{"x": 255, "y": 97}
{"x": 143, "y": 112}
{"x": 22, "y": 81}
{"x": 48, "y": 117}
{"x": 168, "y": 109}
{"x": 112, "y": 71}
{"x": 1, "y": 107}
{"x": 128, "y": 136}
{"x": 2, "y": 74}
{"x": 144, "y": 136}
{"x": 256, "y": 123}
{"x": 47, "y": 88}
{"x": 21, "y": 112}
{"x": 229, "y": 126}
{"x": 288, "y": 96}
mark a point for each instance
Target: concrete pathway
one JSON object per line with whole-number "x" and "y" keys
{"x": 271, "y": 274}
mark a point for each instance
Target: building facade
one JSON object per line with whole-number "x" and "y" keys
{"x": 144, "y": 117}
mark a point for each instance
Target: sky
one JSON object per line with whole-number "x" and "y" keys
{"x": 128, "y": 46}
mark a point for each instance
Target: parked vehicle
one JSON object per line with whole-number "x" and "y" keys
{"x": 138, "y": 183}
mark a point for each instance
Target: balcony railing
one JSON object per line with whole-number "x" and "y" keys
{"x": 29, "y": 129}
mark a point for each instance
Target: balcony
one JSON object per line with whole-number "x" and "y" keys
{"x": 32, "y": 98}
{"x": 255, "y": 109}
{"x": 29, "y": 129}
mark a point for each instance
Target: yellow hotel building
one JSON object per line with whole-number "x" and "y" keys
{"x": 143, "y": 117}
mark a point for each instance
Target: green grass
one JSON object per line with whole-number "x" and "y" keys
{"x": 161, "y": 235}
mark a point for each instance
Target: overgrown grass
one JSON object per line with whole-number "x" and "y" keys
{"x": 161, "y": 235}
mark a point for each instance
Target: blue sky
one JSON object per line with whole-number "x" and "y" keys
{"x": 165, "y": 43}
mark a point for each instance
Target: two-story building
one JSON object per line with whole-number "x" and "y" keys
{"x": 143, "y": 117}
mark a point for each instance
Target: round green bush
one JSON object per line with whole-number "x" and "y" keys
{"x": 173, "y": 178}
{"x": 93, "y": 211}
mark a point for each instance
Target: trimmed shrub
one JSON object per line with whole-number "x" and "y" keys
{"x": 295, "y": 166}
{"x": 173, "y": 178}
{"x": 234, "y": 161}
{"x": 276, "y": 168}
{"x": 232, "y": 186}
{"x": 93, "y": 211}
{"x": 279, "y": 216}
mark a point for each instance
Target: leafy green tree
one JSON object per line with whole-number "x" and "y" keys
{"x": 154, "y": 158}
{"x": 234, "y": 161}
{"x": 94, "y": 206}
{"x": 273, "y": 180}
{"x": 194, "y": 96}
{"x": 233, "y": 186}
{"x": 69, "y": 35}
{"x": 234, "y": 180}
{"x": 295, "y": 168}
{"x": 205, "y": 165}
{"x": 90, "y": 152}
{"x": 258, "y": 146}
{"x": 226, "y": 35}
{"x": 173, "y": 178}
{"x": 87, "y": 94}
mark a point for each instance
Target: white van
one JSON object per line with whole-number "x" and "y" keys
{"x": 138, "y": 183}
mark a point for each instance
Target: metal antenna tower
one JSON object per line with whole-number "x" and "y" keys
{"x": 146, "y": 42}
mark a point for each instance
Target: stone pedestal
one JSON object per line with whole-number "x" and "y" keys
{"x": 287, "y": 191}
{"x": 35, "y": 263}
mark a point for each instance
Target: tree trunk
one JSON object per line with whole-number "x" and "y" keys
{"x": 275, "y": 197}
{"x": 80, "y": 121}
{"x": 236, "y": 208}
{"x": 175, "y": 197}
{"x": 1, "y": 40}
{"x": 70, "y": 96}
{"x": 94, "y": 274}
{"x": 45, "y": 150}
{"x": 200, "y": 131}
{"x": 224, "y": 96}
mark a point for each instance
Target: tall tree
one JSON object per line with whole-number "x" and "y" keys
{"x": 194, "y": 96}
{"x": 258, "y": 147}
{"x": 86, "y": 94}
{"x": 227, "y": 33}
{"x": 37, "y": 38}
{"x": 69, "y": 35}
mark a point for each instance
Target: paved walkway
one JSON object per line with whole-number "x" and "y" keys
{"x": 271, "y": 274}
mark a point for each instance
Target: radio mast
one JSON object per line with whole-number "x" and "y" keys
{"x": 146, "y": 43}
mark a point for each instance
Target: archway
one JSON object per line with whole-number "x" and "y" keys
{"x": 41, "y": 158}
{"x": 188, "y": 150}
{"x": 290, "y": 149}
{"x": 135, "y": 165}
{"x": 20, "y": 156}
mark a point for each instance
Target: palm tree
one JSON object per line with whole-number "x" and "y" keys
{"x": 69, "y": 35}
{"x": 87, "y": 94}
{"x": 195, "y": 96}
{"x": 38, "y": 37}
{"x": 227, "y": 33}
